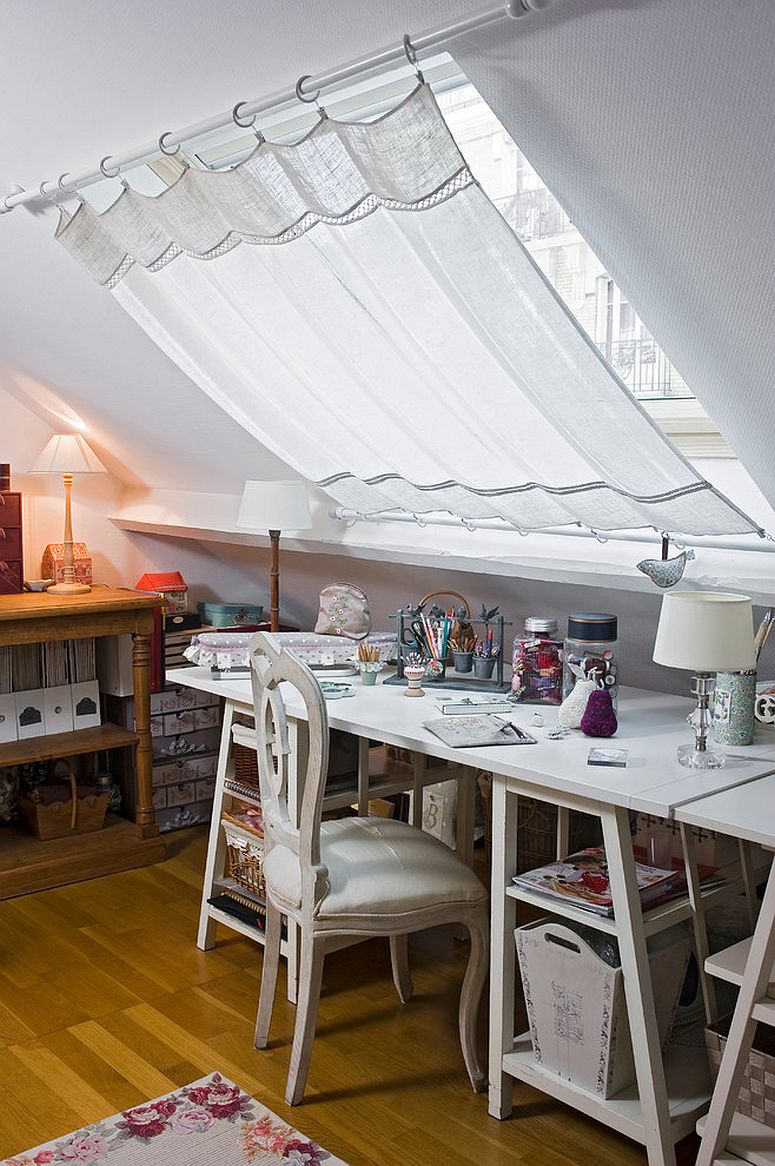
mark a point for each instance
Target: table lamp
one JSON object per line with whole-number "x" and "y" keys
{"x": 704, "y": 633}
{"x": 68, "y": 454}
{"x": 275, "y": 506}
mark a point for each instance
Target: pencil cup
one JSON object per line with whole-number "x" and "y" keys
{"x": 483, "y": 667}
{"x": 462, "y": 661}
{"x": 369, "y": 670}
{"x": 733, "y": 708}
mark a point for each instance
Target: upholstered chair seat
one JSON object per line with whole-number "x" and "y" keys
{"x": 377, "y": 868}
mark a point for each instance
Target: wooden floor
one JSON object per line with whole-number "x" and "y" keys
{"x": 105, "y": 1002}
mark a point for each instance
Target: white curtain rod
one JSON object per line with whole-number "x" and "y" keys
{"x": 721, "y": 543}
{"x": 245, "y": 112}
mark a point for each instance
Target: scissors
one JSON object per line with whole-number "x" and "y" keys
{"x": 414, "y": 637}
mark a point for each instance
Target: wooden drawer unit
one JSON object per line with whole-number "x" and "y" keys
{"x": 11, "y": 568}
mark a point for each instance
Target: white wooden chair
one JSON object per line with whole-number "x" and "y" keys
{"x": 348, "y": 879}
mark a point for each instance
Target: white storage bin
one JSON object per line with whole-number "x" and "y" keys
{"x": 575, "y": 1000}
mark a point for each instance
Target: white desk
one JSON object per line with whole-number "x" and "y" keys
{"x": 747, "y": 813}
{"x": 651, "y": 726}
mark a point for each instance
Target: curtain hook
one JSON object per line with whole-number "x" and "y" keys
{"x": 248, "y": 123}
{"x": 49, "y": 194}
{"x": 105, "y": 170}
{"x": 419, "y": 521}
{"x": 75, "y": 192}
{"x": 313, "y": 99}
{"x": 163, "y": 148}
{"x": 411, "y": 57}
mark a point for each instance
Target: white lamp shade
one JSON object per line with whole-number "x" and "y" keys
{"x": 67, "y": 453}
{"x": 275, "y": 506}
{"x": 705, "y": 632}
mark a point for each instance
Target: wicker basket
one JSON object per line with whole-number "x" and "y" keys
{"x": 80, "y": 813}
{"x": 244, "y": 856}
{"x": 756, "y": 1098}
{"x": 537, "y": 828}
{"x": 245, "y": 762}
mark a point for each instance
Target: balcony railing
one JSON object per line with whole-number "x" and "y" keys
{"x": 644, "y": 368}
{"x": 534, "y": 214}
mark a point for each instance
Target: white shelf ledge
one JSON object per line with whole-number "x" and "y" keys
{"x": 749, "y": 1141}
{"x": 687, "y": 1079}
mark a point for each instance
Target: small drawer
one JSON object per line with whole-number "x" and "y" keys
{"x": 181, "y": 795}
{"x": 179, "y": 722}
{"x": 172, "y": 700}
{"x": 10, "y": 541}
{"x": 207, "y": 718}
{"x": 205, "y": 789}
{"x": 185, "y": 769}
{"x": 11, "y": 509}
{"x": 10, "y": 577}
{"x": 160, "y": 798}
{"x": 157, "y": 726}
{"x": 186, "y": 744}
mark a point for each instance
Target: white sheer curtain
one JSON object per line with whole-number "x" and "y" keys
{"x": 370, "y": 318}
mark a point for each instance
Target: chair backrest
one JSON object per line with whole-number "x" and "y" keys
{"x": 271, "y": 666}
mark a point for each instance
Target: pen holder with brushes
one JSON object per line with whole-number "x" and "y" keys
{"x": 436, "y": 636}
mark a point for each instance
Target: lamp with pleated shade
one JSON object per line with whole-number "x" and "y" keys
{"x": 274, "y": 507}
{"x": 68, "y": 454}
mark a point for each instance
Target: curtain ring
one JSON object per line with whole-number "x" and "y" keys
{"x": 411, "y": 57}
{"x": 235, "y": 117}
{"x": 49, "y": 194}
{"x": 163, "y": 148}
{"x": 104, "y": 170}
{"x": 61, "y": 182}
{"x": 313, "y": 99}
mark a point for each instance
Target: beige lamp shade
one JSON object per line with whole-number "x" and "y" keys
{"x": 705, "y": 632}
{"x": 67, "y": 453}
{"x": 275, "y": 506}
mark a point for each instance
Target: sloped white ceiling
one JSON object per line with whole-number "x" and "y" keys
{"x": 658, "y": 110}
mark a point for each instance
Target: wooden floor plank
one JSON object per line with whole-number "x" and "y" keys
{"x": 105, "y": 1003}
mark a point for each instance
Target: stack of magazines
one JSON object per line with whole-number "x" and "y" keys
{"x": 581, "y": 879}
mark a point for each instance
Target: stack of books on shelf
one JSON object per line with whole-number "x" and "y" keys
{"x": 581, "y": 880}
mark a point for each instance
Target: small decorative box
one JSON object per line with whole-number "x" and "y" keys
{"x": 52, "y": 565}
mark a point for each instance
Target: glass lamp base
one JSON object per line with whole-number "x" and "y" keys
{"x": 692, "y": 758}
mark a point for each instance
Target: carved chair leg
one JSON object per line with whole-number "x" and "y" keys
{"x": 471, "y": 994}
{"x": 311, "y": 974}
{"x": 399, "y": 962}
{"x": 268, "y": 976}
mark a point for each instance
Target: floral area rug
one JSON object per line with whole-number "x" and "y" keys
{"x": 210, "y": 1123}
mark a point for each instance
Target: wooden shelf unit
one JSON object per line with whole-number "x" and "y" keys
{"x": 27, "y": 863}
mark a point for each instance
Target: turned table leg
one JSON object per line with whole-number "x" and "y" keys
{"x": 141, "y": 680}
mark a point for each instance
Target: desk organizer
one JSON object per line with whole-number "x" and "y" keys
{"x": 440, "y": 672}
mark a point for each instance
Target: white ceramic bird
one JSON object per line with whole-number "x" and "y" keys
{"x": 666, "y": 572}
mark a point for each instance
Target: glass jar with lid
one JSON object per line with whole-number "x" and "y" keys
{"x": 537, "y": 663}
{"x": 590, "y": 651}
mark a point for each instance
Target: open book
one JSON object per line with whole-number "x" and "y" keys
{"x": 582, "y": 880}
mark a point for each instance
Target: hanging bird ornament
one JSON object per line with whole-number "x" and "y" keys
{"x": 666, "y": 572}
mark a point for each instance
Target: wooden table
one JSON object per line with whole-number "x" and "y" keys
{"x": 26, "y": 863}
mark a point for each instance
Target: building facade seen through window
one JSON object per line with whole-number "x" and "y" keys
{"x": 565, "y": 258}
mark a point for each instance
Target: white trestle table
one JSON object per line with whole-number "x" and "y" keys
{"x": 668, "y": 1099}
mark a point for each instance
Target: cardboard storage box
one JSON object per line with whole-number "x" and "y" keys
{"x": 575, "y": 1000}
